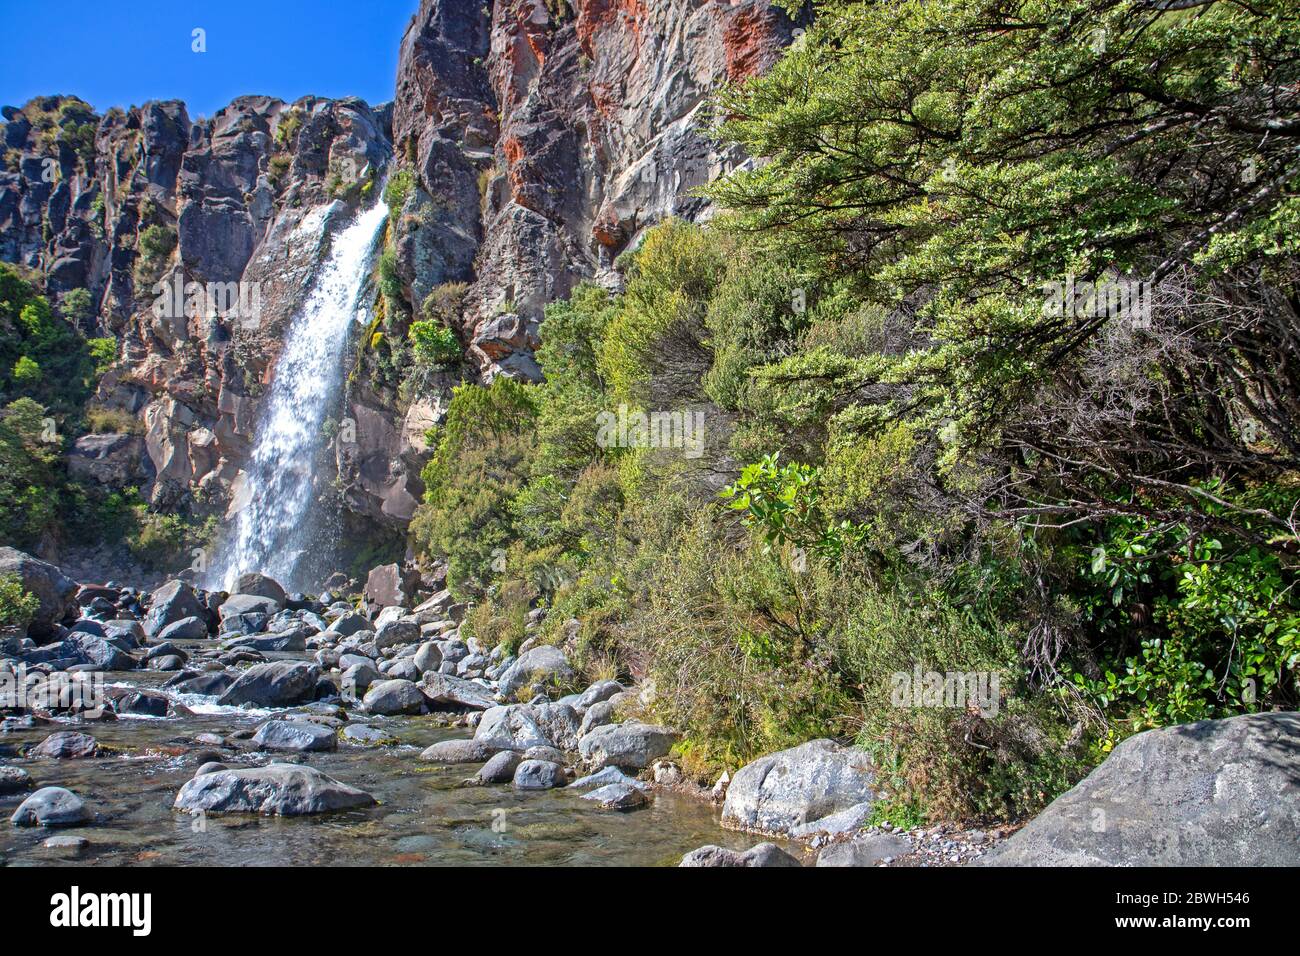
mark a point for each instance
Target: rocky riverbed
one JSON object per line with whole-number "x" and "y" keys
{"x": 359, "y": 726}
{"x": 184, "y": 726}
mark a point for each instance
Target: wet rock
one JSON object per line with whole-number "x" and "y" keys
{"x": 538, "y": 775}
{"x": 605, "y": 777}
{"x": 212, "y": 766}
{"x": 618, "y": 796}
{"x": 143, "y": 703}
{"x": 632, "y": 745}
{"x": 51, "y": 807}
{"x": 274, "y": 684}
{"x": 14, "y": 780}
{"x": 166, "y": 662}
{"x": 459, "y": 751}
{"x": 278, "y": 789}
{"x": 543, "y": 666}
{"x": 165, "y": 649}
{"x": 367, "y": 735}
{"x": 211, "y": 684}
{"x": 56, "y": 594}
{"x": 763, "y": 855}
{"x": 500, "y": 768}
{"x": 394, "y": 697}
{"x": 67, "y": 846}
{"x": 443, "y": 690}
{"x": 295, "y": 735}
{"x": 784, "y": 790}
{"x": 865, "y": 851}
{"x": 1211, "y": 793}
{"x": 66, "y": 745}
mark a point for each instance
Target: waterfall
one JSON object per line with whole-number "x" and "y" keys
{"x": 274, "y": 524}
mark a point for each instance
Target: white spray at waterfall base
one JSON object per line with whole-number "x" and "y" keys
{"x": 273, "y": 526}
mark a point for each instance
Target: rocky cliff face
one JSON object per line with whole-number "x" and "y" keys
{"x": 549, "y": 136}
{"x": 543, "y": 136}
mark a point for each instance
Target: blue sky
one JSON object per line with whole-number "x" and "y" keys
{"x": 124, "y": 52}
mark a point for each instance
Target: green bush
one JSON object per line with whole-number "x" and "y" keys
{"x": 17, "y": 606}
{"x": 434, "y": 344}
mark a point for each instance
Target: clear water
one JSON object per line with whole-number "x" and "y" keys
{"x": 424, "y": 818}
{"x": 274, "y": 525}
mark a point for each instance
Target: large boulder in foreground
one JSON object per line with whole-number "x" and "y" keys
{"x": 1212, "y": 793}
{"x": 779, "y": 792}
{"x": 274, "y": 684}
{"x": 56, "y": 593}
{"x": 278, "y": 789}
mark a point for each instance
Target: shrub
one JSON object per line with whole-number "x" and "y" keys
{"x": 17, "y": 606}
{"x": 434, "y": 344}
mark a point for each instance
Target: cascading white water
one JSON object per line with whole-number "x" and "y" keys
{"x": 273, "y": 523}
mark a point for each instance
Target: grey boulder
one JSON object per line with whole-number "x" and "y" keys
{"x": 618, "y": 796}
{"x": 51, "y": 807}
{"x": 295, "y": 735}
{"x": 278, "y": 789}
{"x": 186, "y": 629}
{"x": 14, "y": 780}
{"x": 512, "y": 727}
{"x": 545, "y": 666}
{"x": 274, "y": 684}
{"x": 500, "y": 768}
{"x": 459, "y": 751}
{"x": 538, "y": 775}
{"x": 392, "y": 697}
{"x": 865, "y": 851}
{"x": 1212, "y": 793}
{"x": 783, "y": 790}
{"x": 763, "y": 855}
{"x": 632, "y": 745}
{"x": 56, "y": 594}
{"x": 443, "y": 690}
{"x": 172, "y": 602}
